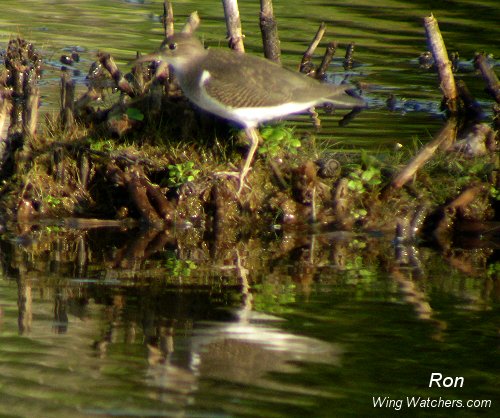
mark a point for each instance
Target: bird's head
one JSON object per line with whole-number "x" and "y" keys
{"x": 177, "y": 50}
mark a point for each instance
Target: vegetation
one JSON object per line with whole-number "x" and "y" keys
{"x": 149, "y": 156}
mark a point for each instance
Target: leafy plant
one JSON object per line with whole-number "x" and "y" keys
{"x": 494, "y": 193}
{"x": 53, "y": 201}
{"x": 181, "y": 173}
{"x": 359, "y": 213}
{"x": 493, "y": 270}
{"x": 366, "y": 175}
{"x": 273, "y": 297}
{"x": 106, "y": 145}
{"x": 135, "y": 114}
{"x": 179, "y": 268}
{"x": 360, "y": 179}
{"x": 277, "y": 139}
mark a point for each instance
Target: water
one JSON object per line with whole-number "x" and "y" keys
{"x": 284, "y": 326}
{"x": 133, "y": 323}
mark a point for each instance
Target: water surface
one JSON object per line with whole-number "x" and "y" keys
{"x": 287, "y": 326}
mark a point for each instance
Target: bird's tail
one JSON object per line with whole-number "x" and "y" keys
{"x": 344, "y": 97}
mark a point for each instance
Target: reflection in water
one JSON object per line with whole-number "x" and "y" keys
{"x": 244, "y": 352}
{"x": 179, "y": 325}
{"x": 247, "y": 350}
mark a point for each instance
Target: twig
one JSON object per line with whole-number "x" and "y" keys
{"x": 153, "y": 206}
{"x": 471, "y": 105}
{"x": 305, "y": 64}
{"x": 449, "y": 132}
{"x": 110, "y": 65}
{"x": 465, "y": 198}
{"x": 327, "y": 58}
{"x": 489, "y": 76}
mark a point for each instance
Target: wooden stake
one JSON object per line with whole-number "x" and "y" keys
{"x": 121, "y": 82}
{"x": 269, "y": 31}
{"x": 4, "y": 109}
{"x": 192, "y": 23}
{"x": 327, "y": 59}
{"x": 67, "y": 100}
{"x": 30, "y": 111}
{"x": 349, "y": 56}
{"x": 233, "y": 24}
{"x": 168, "y": 19}
{"x": 443, "y": 64}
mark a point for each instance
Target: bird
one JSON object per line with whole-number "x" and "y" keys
{"x": 243, "y": 88}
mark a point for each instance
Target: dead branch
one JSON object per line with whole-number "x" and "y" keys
{"x": 443, "y": 64}
{"x": 306, "y": 66}
{"x": 489, "y": 76}
{"x": 448, "y": 133}
{"x": 121, "y": 82}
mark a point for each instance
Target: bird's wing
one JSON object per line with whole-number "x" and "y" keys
{"x": 248, "y": 82}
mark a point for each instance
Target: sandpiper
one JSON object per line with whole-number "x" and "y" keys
{"x": 243, "y": 88}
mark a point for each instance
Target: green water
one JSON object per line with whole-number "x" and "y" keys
{"x": 109, "y": 323}
{"x": 285, "y": 326}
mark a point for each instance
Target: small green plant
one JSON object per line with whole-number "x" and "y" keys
{"x": 179, "y": 268}
{"x": 494, "y": 193}
{"x": 106, "y": 145}
{"x": 181, "y": 173}
{"x": 53, "y": 228}
{"x": 135, "y": 114}
{"x": 359, "y": 213}
{"x": 494, "y": 270}
{"x": 357, "y": 271}
{"x": 53, "y": 201}
{"x": 277, "y": 139}
{"x": 360, "y": 179}
{"x": 365, "y": 176}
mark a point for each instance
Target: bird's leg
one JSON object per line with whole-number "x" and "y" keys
{"x": 253, "y": 136}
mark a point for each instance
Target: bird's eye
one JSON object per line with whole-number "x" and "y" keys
{"x": 172, "y": 46}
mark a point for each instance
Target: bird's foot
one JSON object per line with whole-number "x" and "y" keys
{"x": 242, "y": 178}
{"x": 240, "y": 175}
